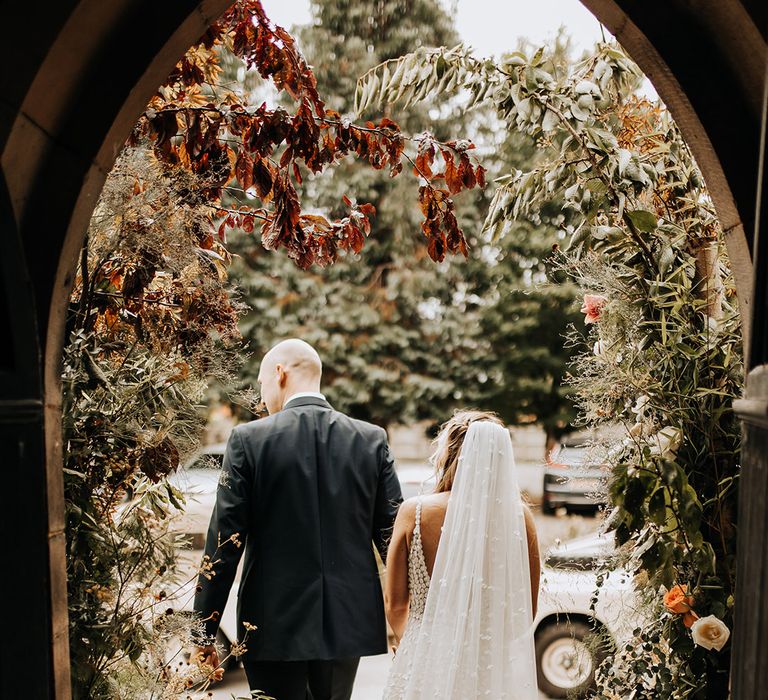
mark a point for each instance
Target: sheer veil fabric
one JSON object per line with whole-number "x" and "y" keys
{"x": 476, "y": 637}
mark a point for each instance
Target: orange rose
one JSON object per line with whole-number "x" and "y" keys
{"x": 677, "y": 600}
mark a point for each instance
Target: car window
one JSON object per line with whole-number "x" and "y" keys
{"x": 581, "y": 554}
{"x": 570, "y": 562}
{"x": 581, "y": 456}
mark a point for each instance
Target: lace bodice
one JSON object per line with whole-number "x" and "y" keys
{"x": 418, "y": 575}
{"x": 469, "y": 634}
{"x": 418, "y": 587}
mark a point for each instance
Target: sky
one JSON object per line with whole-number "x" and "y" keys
{"x": 489, "y": 26}
{"x": 492, "y": 27}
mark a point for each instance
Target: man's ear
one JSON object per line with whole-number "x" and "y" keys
{"x": 282, "y": 377}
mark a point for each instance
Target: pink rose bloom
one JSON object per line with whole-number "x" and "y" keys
{"x": 593, "y": 305}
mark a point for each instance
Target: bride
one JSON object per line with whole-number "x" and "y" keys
{"x": 463, "y": 574}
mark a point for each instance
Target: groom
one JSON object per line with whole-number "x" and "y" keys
{"x": 306, "y": 490}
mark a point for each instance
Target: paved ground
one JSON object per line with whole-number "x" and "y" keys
{"x": 368, "y": 686}
{"x": 373, "y": 670}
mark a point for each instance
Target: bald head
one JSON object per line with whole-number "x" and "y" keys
{"x": 297, "y": 355}
{"x": 290, "y": 367}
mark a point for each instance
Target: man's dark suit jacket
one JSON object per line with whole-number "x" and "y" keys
{"x": 307, "y": 490}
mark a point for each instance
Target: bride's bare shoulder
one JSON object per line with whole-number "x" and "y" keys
{"x": 434, "y": 502}
{"x": 406, "y": 513}
{"x": 430, "y": 504}
{"x": 436, "y": 498}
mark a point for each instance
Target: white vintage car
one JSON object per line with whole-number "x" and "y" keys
{"x": 579, "y": 622}
{"x": 571, "y": 634}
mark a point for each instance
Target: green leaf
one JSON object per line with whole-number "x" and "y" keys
{"x": 657, "y": 506}
{"x": 579, "y": 113}
{"x": 516, "y": 58}
{"x": 705, "y": 559}
{"x": 525, "y": 108}
{"x": 550, "y": 121}
{"x": 666, "y": 258}
{"x": 624, "y": 157}
{"x": 643, "y": 220}
{"x": 669, "y": 471}
{"x": 634, "y": 495}
{"x": 586, "y": 87}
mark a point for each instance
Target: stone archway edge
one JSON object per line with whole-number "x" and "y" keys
{"x": 42, "y": 132}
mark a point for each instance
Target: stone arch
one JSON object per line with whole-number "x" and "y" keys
{"x": 76, "y": 92}
{"x": 59, "y": 137}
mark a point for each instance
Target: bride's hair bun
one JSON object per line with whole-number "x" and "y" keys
{"x": 449, "y": 440}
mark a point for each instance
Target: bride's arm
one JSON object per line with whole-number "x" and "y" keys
{"x": 396, "y": 587}
{"x": 534, "y": 558}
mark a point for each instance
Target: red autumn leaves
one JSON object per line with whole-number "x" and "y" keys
{"x": 266, "y": 151}
{"x": 440, "y": 225}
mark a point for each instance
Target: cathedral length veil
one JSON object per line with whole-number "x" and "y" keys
{"x": 476, "y": 638}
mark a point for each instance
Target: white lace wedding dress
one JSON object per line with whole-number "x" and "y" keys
{"x": 469, "y": 634}
{"x": 418, "y": 585}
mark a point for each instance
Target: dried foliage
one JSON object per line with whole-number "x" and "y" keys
{"x": 262, "y": 153}
{"x": 151, "y": 321}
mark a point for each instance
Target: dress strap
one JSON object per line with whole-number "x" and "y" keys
{"x": 417, "y": 524}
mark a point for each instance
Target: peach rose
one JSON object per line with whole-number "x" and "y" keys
{"x": 593, "y": 305}
{"x": 710, "y": 632}
{"x": 677, "y": 600}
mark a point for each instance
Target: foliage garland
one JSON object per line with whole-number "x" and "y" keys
{"x": 151, "y": 319}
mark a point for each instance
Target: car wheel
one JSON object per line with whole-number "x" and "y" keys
{"x": 565, "y": 664}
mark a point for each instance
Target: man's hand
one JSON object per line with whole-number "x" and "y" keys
{"x": 208, "y": 659}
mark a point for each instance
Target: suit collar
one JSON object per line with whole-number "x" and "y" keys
{"x": 303, "y": 394}
{"x": 306, "y": 401}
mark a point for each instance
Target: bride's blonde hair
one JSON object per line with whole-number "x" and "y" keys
{"x": 448, "y": 444}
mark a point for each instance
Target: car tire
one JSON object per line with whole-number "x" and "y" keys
{"x": 565, "y": 664}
